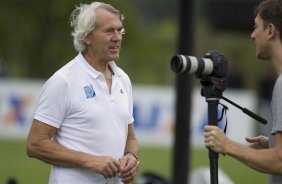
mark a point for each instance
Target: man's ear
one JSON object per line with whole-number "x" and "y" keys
{"x": 87, "y": 39}
{"x": 271, "y": 31}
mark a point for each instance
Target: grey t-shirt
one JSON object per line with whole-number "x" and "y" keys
{"x": 276, "y": 120}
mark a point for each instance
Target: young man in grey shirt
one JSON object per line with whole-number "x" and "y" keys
{"x": 264, "y": 154}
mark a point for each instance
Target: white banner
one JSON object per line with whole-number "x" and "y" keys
{"x": 18, "y": 99}
{"x": 155, "y": 115}
{"x": 154, "y": 112}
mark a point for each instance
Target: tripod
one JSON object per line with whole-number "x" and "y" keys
{"x": 212, "y": 89}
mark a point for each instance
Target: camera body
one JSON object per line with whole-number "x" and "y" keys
{"x": 211, "y": 69}
{"x": 212, "y": 64}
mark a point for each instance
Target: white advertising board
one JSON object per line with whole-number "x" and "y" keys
{"x": 155, "y": 115}
{"x": 154, "y": 112}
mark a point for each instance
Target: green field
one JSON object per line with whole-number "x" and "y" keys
{"x": 15, "y": 163}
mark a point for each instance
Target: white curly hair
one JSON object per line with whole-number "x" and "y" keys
{"x": 83, "y": 21}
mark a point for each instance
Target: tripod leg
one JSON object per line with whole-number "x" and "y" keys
{"x": 213, "y": 156}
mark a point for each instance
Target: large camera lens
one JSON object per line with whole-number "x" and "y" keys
{"x": 191, "y": 65}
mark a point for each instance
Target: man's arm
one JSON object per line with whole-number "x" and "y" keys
{"x": 131, "y": 143}
{"x": 263, "y": 160}
{"x": 40, "y": 145}
{"x": 130, "y": 160}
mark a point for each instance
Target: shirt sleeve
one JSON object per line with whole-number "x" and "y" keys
{"x": 130, "y": 96}
{"x": 277, "y": 107}
{"x": 54, "y": 102}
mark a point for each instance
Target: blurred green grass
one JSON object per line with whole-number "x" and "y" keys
{"x": 15, "y": 163}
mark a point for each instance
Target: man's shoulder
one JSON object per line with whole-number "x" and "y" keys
{"x": 62, "y": 74}
{"x": 66, "y": 68}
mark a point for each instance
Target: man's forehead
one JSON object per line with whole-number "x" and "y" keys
{"x": 258, "y": 18}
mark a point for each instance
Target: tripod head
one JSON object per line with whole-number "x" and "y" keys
{"x": 212, "y": 87}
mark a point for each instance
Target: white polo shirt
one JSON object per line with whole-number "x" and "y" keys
{"x": 90, "y": 118}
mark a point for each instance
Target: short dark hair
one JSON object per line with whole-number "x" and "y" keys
{"x": 271, "y": 12}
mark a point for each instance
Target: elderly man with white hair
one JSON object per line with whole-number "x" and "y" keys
{"x": 83, "y": 123}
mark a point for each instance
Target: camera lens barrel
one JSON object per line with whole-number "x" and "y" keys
{"x": 191, "y": 65}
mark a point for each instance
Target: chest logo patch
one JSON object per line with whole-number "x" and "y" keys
{"x": 89, "y": 91}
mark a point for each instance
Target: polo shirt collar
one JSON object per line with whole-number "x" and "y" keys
{"x": 115, "y": 69}
{"x": 94, "y": 73}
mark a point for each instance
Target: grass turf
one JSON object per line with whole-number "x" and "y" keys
{"x": 15, "y": 163}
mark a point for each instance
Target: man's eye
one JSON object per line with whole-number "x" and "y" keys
{"x": 109, "y": 30}
{"x": 113, "y": 31}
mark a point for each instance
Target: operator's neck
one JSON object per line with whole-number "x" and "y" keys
{"x": 276, "y": 59}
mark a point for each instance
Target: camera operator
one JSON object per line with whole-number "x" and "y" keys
{"x": 263, "y": 154}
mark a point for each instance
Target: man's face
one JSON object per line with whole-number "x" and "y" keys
{"x": 259, "y": 35}
{"x": 105, "y": 41}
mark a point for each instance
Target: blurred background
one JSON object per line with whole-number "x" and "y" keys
{"x": 36, "y": 41}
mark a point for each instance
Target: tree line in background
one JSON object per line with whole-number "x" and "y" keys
{"x": 36, "y": 39}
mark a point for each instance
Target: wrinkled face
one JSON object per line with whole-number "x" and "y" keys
{"x": 260, "y": 35}
{"x": 105, "y": 41}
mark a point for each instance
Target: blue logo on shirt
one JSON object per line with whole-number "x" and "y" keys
{"x": 89, "y": 91}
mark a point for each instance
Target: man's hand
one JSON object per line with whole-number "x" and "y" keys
{"x": 129, "y": 168}
{"x": 105, "y": 165}
{"x": 259, "y": 142}
{"x": 215, "y": 139}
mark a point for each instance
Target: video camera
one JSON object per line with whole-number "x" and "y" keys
{"x": 212, "y": 64}
{"x": 211, "y": 69}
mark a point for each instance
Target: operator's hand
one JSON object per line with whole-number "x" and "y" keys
{"x": 129, "y": 168}
{"x": 215, "y": 139}
{"x": 259, "y": 142}
{"x": 107, "y": 166}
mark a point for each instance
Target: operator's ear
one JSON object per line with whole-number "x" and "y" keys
{"x": 272, "y": 31}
